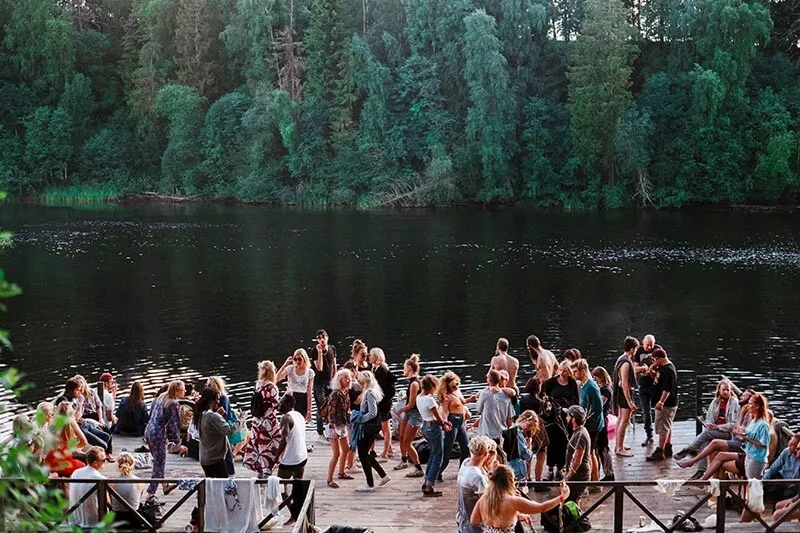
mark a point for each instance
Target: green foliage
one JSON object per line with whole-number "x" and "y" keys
{"x": 599, "y": 90}
{"x": 405, "y": 102}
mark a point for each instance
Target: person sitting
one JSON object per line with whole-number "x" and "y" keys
{"x": 130, "y": 492}
{"x": 721, "y": 417}
{"x": 59, "y": 459}
{"x": 786, "y": 466}
{"x": 755, "y": 437}
{"x": 499, "y": 508}
{"x": 132, "y": 415}
{"x": 87, "y": 515}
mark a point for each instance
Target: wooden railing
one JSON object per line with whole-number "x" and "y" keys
{"x": 102, "y": 490}
{"x": 619, "y": 493}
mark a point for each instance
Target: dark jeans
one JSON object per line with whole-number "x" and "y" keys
{"x": 458, "y": 433}
{"x": 369, "y": 459}
{"x": 298, "y": 491}
{"x": 96, "y": 436}
{"x": 321, "y": 391}
{"x": 647, "y": 412}
{"x": 216, "y": 470}
{"x": 433, "y": 433}
{"x": 229, "y": 463}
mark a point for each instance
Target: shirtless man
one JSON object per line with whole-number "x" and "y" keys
{"x": 544, "y": 360}
{"x": 503, "y": 361}
{"x": 624, "y": 383}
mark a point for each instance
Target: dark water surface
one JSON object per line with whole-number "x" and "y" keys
{"x": 156, "y": 292}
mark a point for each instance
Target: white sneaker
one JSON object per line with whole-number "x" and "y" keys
{"x": 365, "y": 488}
{"x": 385, "y": 480}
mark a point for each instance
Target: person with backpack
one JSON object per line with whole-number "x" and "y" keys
{"x": 263, "y": 448}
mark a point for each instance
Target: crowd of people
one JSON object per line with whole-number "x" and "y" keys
{"x": 558, "y": 426}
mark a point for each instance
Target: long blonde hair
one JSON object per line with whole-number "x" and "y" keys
{"x": 304, "y": 355}
{"x": 379, "y": 356}
{"x": 172, "y": 391}
{"x": 529, "y": 417}
{"x": 448, "y": 384}
{"x": 266, "y": 371}
{"x": 500, "y": 487}
{"x": 216, "y": 383}
{"x": 368, "y": 383}
{"x": 125, "y": 463}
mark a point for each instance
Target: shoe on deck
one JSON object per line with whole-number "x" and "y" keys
{"x": 385, "y": 480}
{"x": 647, "y": 442}
{"x": 657, "y": 455}
{"x": 365, "y": 488}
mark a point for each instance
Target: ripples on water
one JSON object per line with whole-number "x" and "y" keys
{"x": 160, "y": 295}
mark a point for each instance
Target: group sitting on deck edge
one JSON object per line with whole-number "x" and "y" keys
{"x": 558, "y": 427}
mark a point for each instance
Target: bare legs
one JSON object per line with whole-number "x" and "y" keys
{"x": 406, "y": 449}
{"x": 723, "y": 462}
{"x": 714, "y": 447}
{"x": 339, "y": 449}
{"x": 386, "y": 429}
{"x": 623, "y": 422}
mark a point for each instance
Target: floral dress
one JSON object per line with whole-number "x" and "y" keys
{"x": 261, "y": 452}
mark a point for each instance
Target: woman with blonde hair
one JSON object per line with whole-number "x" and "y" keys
{"x": 263, "y": 449}
{"x": 299, "y": 375}
{"x": 335, "y": 429}
{"x": 454, "y": 410}
{"x": 499, "y": 508}
{"x": 473, "y": 479}
{"x": 163, "y": 429}
{"x": 386, "y": 379}
{"x": 412, "y": 420}
{"x": 369, "y": 423}
{"x": 130, "y": 492}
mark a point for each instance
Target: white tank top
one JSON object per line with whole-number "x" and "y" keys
{"x": 295, "y": 452}
{"x": 298, "y": 383}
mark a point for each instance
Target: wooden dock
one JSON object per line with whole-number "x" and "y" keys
{"x": 400, "y": 506}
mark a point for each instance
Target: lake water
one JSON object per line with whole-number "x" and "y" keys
{"x": 156, "y": 292}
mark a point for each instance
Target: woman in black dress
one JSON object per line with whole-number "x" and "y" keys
{"x": 562, "y": 392}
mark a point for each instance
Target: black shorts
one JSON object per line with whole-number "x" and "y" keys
{"x": 622, "y": 402}
{"x": 385, "y": 415}
{"x": 740, "y": 464}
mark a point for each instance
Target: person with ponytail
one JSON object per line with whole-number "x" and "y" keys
{"x": 412, "y": 420}
{"x": 433, "y": 428}
{"x": 130, "y": 492}
{"x": 473, "y": 479}
{"x": 454, "y": 410}
{"x": 499, "y": 508}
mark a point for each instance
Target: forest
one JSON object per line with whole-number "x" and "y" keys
{"x": 573, "y": 104}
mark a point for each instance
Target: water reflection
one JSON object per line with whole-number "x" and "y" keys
{"x": 152, "y": 293}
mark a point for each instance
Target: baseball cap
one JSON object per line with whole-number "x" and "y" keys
{"x": 578, "y": 413}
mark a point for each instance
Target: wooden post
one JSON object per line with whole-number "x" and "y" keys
{"x": 619, "y": 496}
{"x": 102, "y": 497}
{"x": 311, "y": 514}
{"x": 201, "y": 506}
{"x": 698, "y": 406}
{"x": 721, "y": 507}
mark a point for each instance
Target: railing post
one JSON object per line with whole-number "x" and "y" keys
{"x": 311, "y": 514}
{"x": 618, "y": 509}
{"x": 201, "y": 506}
{"x": 721, "y": 507}
{"x": 102, "y": 496}
{"x": 698, "y": 406}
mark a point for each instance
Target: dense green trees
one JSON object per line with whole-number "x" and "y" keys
{"x": 573, "y": 103}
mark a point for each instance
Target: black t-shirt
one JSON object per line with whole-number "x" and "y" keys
{"x": 386, "y": 380}
{"x": 641, "y": 357}
{"x": 532, "y": 402}
{"x": 667, "y": 380}
{"x": 328, "y": 358}
{"x": 563, "y": 396}
{"x": 608, "y": 393}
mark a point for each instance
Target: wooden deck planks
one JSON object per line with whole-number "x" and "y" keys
{"x": 400, "y": 506}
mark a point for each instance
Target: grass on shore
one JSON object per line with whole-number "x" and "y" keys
{"x": 80, "y": 194}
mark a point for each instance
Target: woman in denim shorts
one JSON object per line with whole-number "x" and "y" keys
{"x": 412, "y": 420}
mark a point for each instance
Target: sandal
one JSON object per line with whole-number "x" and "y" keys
{"x": 345, "y": 476}
{"x": 110, "y": 458}
{"x": 332, "y": 484}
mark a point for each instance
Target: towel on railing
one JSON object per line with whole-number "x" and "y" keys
{"x": 755, "y": 495}
{"x": 713, "y": 487}
{"x": 232, "y": 506}
{"x": 272, "y": 495}
{"x": 669, "y": 486}
{"x": 356, "y": 429}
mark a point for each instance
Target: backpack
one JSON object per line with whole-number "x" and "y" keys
{"x": 569, "y": 514}
{"x": 324, "y": 410}
{"x": 257, "y": 405}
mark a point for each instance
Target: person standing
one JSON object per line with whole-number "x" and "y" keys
{"x": 495, "y": 408}
{"x": 299, "y": 377}
{"x": 603, "y": 380}
{"x": 412, "y": 420}
{"x": 262, "y": 450}
{"x": 432, "y": 426}
{"x": 563, "y": 392}
{"x": 578, "y": 461}
{"x": 666, "y": 377}
{"x": 370, "y": 424}
{"x": 324, "y": 356}
{"x": 543, "y": 360}
{"x": 293, "y": 451}
{"x": 454, "y": 411}
{"x": 624, "y": 382}
{"x": 642, "y": 361}
{"x": 214, "y": 430}
{"x": 592, "y": 403}
{"x": 503, "y": 361}
{"x": 386, "y": 380}
{"x": 163, "y": 428}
